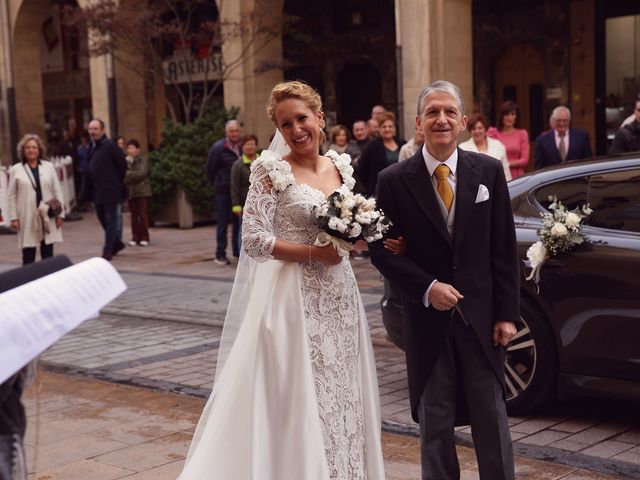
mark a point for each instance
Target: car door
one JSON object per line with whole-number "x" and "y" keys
{"x": 593, "y": 291}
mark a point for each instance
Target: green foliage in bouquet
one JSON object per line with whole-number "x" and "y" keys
{"x": 181, "y": 159}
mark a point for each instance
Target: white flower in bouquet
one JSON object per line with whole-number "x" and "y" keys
{"x": 559, "y": 230}
{"x": 364, "y": 218}
{"x": 356, "y": 230}
{"x": 572, "y": 220}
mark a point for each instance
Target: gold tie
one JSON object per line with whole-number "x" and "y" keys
{"x": 444, "y": 187}
{"x": 562, "y": 148}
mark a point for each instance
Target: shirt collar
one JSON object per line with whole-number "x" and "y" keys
{"x": 432, "y": 163}
{"x": 566, "y": 134}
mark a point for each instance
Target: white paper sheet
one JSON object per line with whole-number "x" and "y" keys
{"x": 35, "y": 315}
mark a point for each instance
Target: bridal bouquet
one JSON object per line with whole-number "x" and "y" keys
{"x": 561, "y": 231}
{"x": 347, "y": 217}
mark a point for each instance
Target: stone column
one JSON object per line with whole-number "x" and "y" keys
{"x": 27, "y": 22}
{"x": 247, "y": 86}
{"x": 436, "y": 38}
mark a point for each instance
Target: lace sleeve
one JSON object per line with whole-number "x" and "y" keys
{"x": 258, "y": 237}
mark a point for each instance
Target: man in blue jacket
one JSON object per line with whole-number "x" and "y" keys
{"x": 561, "y": 143}
{"x": 222, "y": 156}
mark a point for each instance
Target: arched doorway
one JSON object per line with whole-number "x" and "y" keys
{"x": 53, "y": 88}
{"x": 359, "y": 87}
{"x": 519, "y": 76}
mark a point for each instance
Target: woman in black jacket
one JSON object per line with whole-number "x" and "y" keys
{"x": 380, "y": 153}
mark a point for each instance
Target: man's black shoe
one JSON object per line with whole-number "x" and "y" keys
{"x": 119, "y": 246}
{"x": 222, "y": 261}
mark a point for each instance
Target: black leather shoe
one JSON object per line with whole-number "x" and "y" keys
{"x": 119, "y": 246}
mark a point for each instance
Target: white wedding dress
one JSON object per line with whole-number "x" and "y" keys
{"x": 296, "y": 396}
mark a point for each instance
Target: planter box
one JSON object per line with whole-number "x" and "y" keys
{"x": 179, "y": 211}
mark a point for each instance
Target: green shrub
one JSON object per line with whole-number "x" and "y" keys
{"x": 181, "y": 159}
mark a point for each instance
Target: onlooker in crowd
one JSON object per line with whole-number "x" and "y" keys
{"x": 339, "y": 142}
{"x": 373, "y": 128}
{"x": 121, "y": 143}
{"x": 82, "y": 152}
{"x": 222, "y": 156}
{"x": 35, "y": 200}
{"x": 376, "y": 111}
{"x": 240, "y": 172}
{"x": 410, "y": 148}
{"x": 514, "y": 139}
{"x": 561, "y": 143}
{"x": 479, "y": 142}
{"x": 627, "y": 139}
{"x": 139, "y": 188}
{"x": 360, "y": 134}
{"x": 107, "y": 168}
{"x": 380, "y": 153}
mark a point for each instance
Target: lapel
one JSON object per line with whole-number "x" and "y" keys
{"x": 416, "y": 177}
{"x": 467, "y": 183}
{"x": 554, "y": 148}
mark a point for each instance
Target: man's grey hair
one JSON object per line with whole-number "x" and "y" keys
{"x": 557, "y": 110}
{"x": 233, "y": 121}
{"x": 440, "y": 86}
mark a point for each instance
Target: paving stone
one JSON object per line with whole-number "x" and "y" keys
{"x": 632, "y": 456}
{"x": 544, "y": 437}
{"x": 607, "y": 449}
{"x": 534, "y": 425}
{"x": 630, "y": 436}
{"x": 83, "y": 470}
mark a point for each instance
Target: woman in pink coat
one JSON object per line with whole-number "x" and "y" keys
{"x": 515, "y": 140}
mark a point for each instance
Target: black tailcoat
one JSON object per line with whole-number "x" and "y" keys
{"x": 480, "y": 261}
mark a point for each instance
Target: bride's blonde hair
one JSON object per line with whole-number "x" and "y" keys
{"x": 300, "y": 91}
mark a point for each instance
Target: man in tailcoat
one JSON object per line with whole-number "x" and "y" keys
{"x": 460, "y": 281}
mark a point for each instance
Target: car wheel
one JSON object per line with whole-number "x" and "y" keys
{"x": 530, "y": 362}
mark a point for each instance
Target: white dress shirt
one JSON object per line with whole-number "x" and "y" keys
{"x": 432, "y": 163}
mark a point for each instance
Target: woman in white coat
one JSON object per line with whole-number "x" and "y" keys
{"x": 33, "y": 185}
{"x": 479, "y": 142}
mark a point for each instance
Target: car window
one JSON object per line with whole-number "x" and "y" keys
{"x": 615, "y": 200}
{"x": 572, "y": 192}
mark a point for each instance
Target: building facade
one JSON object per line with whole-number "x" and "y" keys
{"x": 580, "y": 53}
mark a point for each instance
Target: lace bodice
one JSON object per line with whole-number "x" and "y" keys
{"x": 278, "y": 208}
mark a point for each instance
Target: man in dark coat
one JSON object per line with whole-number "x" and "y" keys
{"x": 460, "y": 283}
{"x": 221, "y": 158}
{"x": 107, "y": 168}
{"x": 561, "y": 143}
{"x": 627, "y": 139}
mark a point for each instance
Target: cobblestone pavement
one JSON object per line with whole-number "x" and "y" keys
{"x": 163, "y": 333}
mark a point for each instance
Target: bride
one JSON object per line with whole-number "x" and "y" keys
{"x": 296, "y": 394}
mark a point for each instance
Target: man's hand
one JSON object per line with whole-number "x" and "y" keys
{"x": 443, "y": 296}
{"x": 59, "y": 222}
{"x": 503, "y": 332}
{"x": 15, "y": 224}
{"x": 395, "y": 246}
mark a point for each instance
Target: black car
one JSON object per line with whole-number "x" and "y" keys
{"x": 580, "y": 332}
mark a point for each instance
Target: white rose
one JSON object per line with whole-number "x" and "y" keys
{"x": 371, "y": 203}
{"x": 572, "y": 220}
{"x": 537, "y": 254}
{"x": 342, "y": 225}
{"x": 333, "y": 223}
{"x": 363, "y": 218}
{"x": 559, "y": 230}
{"x": 349, "y": 202}
{"x": 356, "y": 230}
